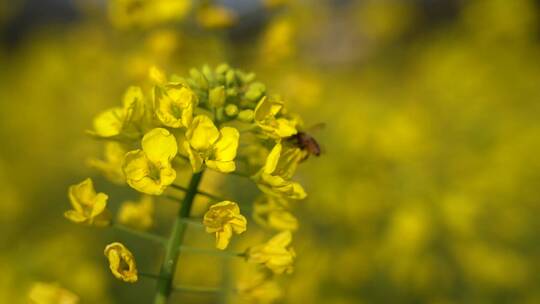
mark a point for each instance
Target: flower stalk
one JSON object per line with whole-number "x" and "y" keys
{"x": 172, "y": 249}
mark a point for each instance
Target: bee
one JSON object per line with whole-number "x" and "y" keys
{"x": 306, "y": 142}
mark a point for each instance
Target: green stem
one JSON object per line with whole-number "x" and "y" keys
{"x": 164, "y": 287}
{"x": 141, "y": 234}
{"x": 203, "y": 193}
{"x": 193, "y": 222}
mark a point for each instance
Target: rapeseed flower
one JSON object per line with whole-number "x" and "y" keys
{"x": 149, "y": 169}
{"x": 224, "y": 219}
{"x": 271, "y": 212}
{"x": 122, "y": 121}
{"x": 274, "y": 177}
{"x": 111, "y": 166}
{"x": 137, "y": 215}
{"x": 276, "y": 254}
{"x": 47, "y": 293}
{"x": 174, "y": 103}
{"x": 266, "y": 117}
{"x": 121, "y": 262}
{"x": 89, "y": 207}
{"x": 206, "y": 145}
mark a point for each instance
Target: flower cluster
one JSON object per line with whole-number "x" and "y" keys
{"x": 197, "y": 123}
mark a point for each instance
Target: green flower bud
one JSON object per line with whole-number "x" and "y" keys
{"x": 246, "y": 115}
{"x": 255, "y": 91}
{"x": 222, "y": 68}
{"x": 198, "y": 79}
{"x": 231, "y": 110}
{"x": 217, "y": 96}
{"x": 230, "y": 78}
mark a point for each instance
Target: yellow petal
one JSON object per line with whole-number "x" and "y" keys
{"x": 75, "y": 216}
{"x": 223, "y": 238}
{"x": 133, "y": 105}
{"x": 272, "y": 159}
{"x": 202, "y": 133}
{"x": 160, "y": 146}
{"x": 109, "y": 123}
{"x": 225, "y": 148}
{"x": 194, "y": 158}
{"x": 221, "y": 166}
{"x": 100, "y": 203}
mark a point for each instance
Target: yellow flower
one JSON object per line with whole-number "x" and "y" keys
{"x": 149, "y": 170}
{"x": 265, "y": 117}
{"x": 260, "y": 289}
{"x": 274, "y": 178}
{"x": 276, "y": 254}
{"x": 111, "y": 167}
{"x": 174, "y": 103}
{"x": 46, "y": 293}
{"x": 121, "y": 120}
{"x": 223, "y": 219}
{"x": 271, "y": 212}
{"x": 137, "y": 215}
{"x": 206, "y": 145}
{"x": 88, "y": 207}
{"x": 213, "y": 16}
{"x": 121, "y": 262}
{"x": 145, "y": 13}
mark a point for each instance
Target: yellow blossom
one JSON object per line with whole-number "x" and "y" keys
{"x": 174, "y": 103}
{"x": 276, "y": 254}
{"x": 111, "y": 166}
{"x": 271, "y": 212}
{"x": 121, "y": 262}
{"x": 213, "y": 16}
{"x": 206, "y": 145}
{"x": 137, "y": 215}
{"x": 260, "y": 289}
{"x": 223, "y": 219}
{"x": 265, "y": 117}
{"x": 274, "y": 177}
{"x": 145, "y": 13}
{"x": 149, "y": 170}
{"x": 89, "y": 207}
{"x": 46, "y": 293}
{"x": 121, "y": 120}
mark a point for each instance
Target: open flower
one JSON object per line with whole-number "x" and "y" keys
{"x": 89, "y": 207}
{"x": 149, "y": 170}
{"x": 146, "y": 13}
{"x": 137, "y": 215}
{"x": 121, "y": 120}
{"x": 274, "y": 178}
{"x": 259, "y": 288}
{"x": 271, "y": 212}
{"x": 276, "y": 254}
{"x": 47, "y": 293}
{"x": 206, "y": 145}
{"x": 111, "y": 166}
{"x": 223, "y": 219}
{"x": 265, "y": 117}
{"x": 121, "y": 262}
{"x": 174, "y": 103}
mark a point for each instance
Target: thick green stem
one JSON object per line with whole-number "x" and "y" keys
{"x": 172, "y": 250}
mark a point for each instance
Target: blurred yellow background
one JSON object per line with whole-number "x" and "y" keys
{"x": 428, "y": 190}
